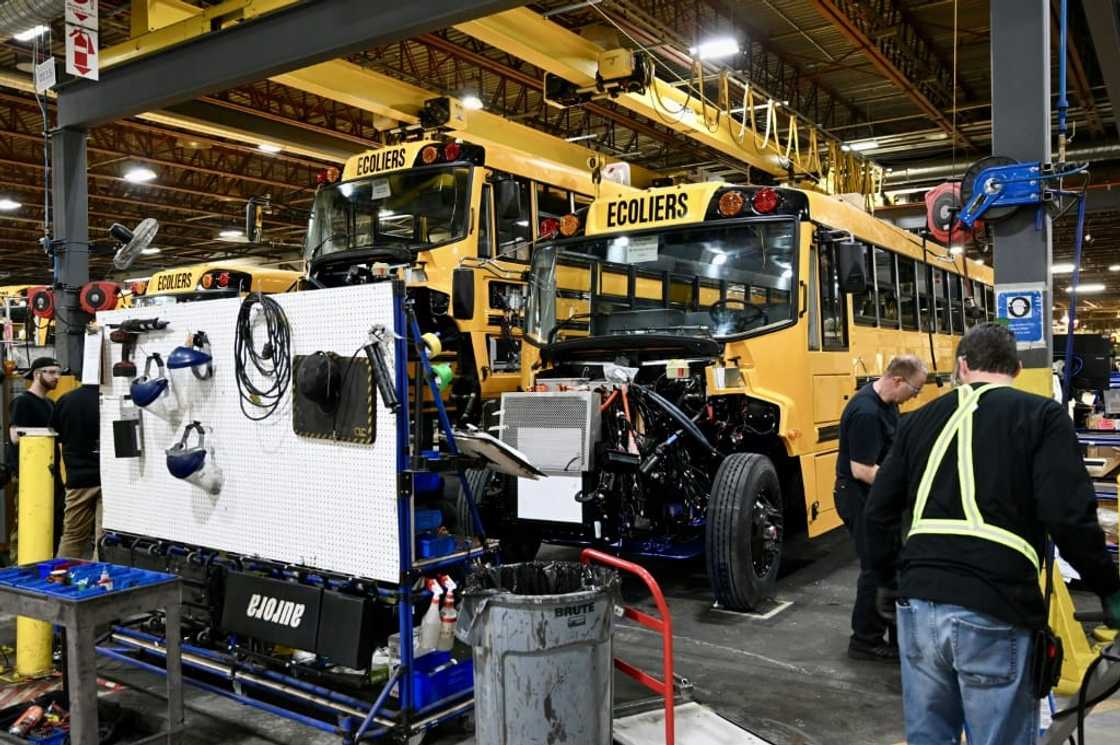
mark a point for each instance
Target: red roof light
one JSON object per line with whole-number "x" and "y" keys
{"x": 765, "y": 201}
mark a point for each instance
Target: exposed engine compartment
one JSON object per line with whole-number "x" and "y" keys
{"x": 649, "y": 452}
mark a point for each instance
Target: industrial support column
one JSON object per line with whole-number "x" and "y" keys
{"x": 1021, "y": 130}
{"x": 71, "y": 231}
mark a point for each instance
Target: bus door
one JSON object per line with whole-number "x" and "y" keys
{"x": 833, "y": 382}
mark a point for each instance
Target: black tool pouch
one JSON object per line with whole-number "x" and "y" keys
{"x": 1046, "y": 646}
{"x": 1046, "y": 661}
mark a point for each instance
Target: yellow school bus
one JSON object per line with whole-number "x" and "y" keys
{"x": 690, "y": 351}
{"x": 18, "y": 325}
{"x": 210, "y": 280}
{"x": 457, "y": 221}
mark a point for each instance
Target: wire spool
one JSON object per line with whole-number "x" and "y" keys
{"x": 432, "y": 342}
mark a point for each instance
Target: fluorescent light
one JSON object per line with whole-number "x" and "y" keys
{"x": 859, "y": 147}
{"x": 31, "y": 33}
{"x": 150, "y": 251}
{"x": 580, "y": 138}
{"x": 1085, "y": 289}
{"x": 1061, "y": 268}
{"x": 269, "y": 148}
{"x": 471, "y": 102}
{"x": 230, "y": 234}
{"x": 9, "y": 204}
{"x": 1114, "y": 267}
{"x": 139, "y": 175}
{"x": 724, "y": 46}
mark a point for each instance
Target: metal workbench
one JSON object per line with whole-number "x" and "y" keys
{"x": 81, "y": 617}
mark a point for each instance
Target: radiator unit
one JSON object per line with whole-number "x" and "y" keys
{"x": 556, "y": 431}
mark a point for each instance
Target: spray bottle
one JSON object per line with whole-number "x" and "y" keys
{"x": 430, "y": 625}
{"x": 448, "y": 616}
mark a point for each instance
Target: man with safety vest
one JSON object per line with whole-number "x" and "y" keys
{"x": 977, "y": 480}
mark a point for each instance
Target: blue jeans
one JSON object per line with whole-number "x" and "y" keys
{"x": 962, "y": 668}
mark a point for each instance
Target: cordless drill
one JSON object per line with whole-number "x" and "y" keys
{"x": 127, "y": 334}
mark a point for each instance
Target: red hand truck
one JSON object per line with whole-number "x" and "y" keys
{"x": 662, "y": 625}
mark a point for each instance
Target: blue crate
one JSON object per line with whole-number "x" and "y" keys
{"x": 436, "y": 677}
{"x": 33, "y": 578}
{"x": 428, "y": 546}
{"x": 428, "y": 520}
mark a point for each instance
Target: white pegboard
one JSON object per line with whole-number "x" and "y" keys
{"x": 318, "y": 503}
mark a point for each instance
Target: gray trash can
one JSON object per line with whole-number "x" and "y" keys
{"x": 543, "y": 665}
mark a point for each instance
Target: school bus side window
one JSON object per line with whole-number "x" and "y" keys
{"x": 990, "y": 293}
{"x": 834, "y": 320}
{"x": 864, "y": 303}
{"x": 813, "y": 294}
{"x": 941, "y": 298}
{"x": 485, "y": 223}
{"x": 907, "y": 293}
{"x": 552, "y": 202}
{"x": 955, "y": 303}
{"x": 927, "y": 319}
{"x": 513, "y": 211}
{"x": 886, "y": 290}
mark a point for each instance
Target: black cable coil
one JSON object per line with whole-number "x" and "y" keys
{"x": 273, "y": 362}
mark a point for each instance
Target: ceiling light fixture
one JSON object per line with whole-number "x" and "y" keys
{"x": 1061, "y": 268}
{"x": 859, "y": 147}
{"x": 1091, "y": 287}
{"x": 1114, "y": 267}
{"x": 471, "y": 102}
{"x": 230, "y": 234}
{"x": 723, "y": 46}
{"x": 267, "y": 147}
{"x": 31, "y": 33}
{"x": 151, "y": 251}
{"x": 139, "y": 175}
{"x": 9, "y": 204}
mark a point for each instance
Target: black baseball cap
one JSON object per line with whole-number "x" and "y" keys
{"x": 39, "y": 363}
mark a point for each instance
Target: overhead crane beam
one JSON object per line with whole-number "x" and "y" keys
{"x": 388, "y": 97}
{"x": 356, "y": 86}
{"x": 553, "y": 48}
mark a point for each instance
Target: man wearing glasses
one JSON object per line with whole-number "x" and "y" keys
{"x": 867, "y": 429}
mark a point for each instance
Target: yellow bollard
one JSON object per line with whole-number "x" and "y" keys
{"x": 36, "y": 543}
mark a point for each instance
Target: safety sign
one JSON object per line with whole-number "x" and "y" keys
{"x": 1022, "y": 307}
{"x": 81, "y": 52}
{"x": 82, "y": 13}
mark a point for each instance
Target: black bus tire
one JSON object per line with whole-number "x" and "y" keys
{"x": 743, "y": 535}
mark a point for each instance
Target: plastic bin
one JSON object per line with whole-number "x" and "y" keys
{"x": 428, "y": 520}
{"x": 543, "y": 662}
{"x": 435, "y": 676}
{"x": 429, "y": 546}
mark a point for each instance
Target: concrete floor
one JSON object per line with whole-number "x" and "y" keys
{"x": 787, "y": 678}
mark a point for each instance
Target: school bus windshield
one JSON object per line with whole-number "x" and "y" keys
{"x": 416, "y": 210}
{"x": 724, "y": 280}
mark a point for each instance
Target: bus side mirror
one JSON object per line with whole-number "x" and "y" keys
{"x": 462, "y": 294}
{"x": 507, "y": 194}
{"x": 853, "y": 268}
{"x": 254, "y": 220}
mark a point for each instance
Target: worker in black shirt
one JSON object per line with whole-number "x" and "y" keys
{"x": 867, "y": 429}
{"x": 76, "y": 419}
{"x": 978, "y": 478}
{"x": 30, "y": 409}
